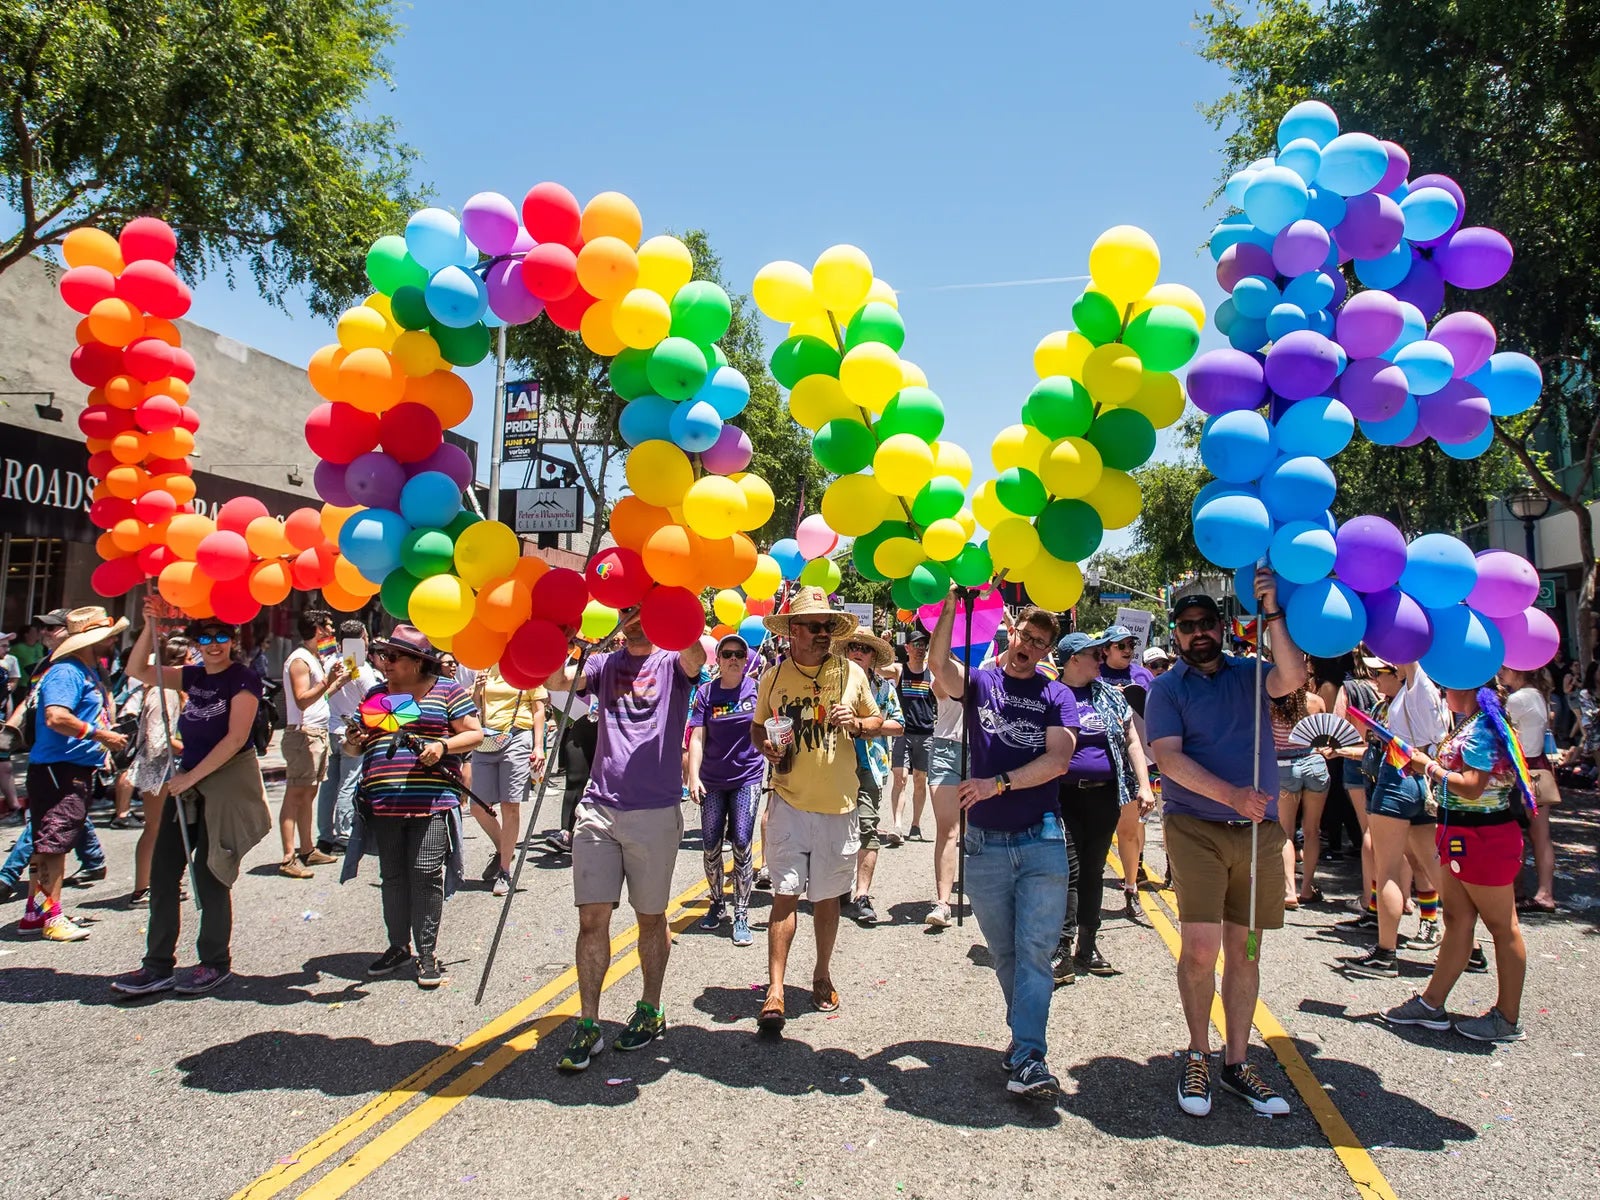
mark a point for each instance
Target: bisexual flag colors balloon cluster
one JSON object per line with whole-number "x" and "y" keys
{"x": 1313, "y": 360}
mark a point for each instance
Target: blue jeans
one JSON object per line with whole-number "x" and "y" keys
{"x": 91, "y": 855}
{"x": 336, "y": 798}
{"x": 1017, "y": 885}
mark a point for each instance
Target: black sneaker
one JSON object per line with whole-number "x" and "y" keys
{"x": 865, "y": 914}
{"x": 1367, "y": 920}
{"x": 1380, "y": 964}
{"x": 12, "y": 891}
{"x": 429, "y": 973}
{"x": 586, "y": 1043}
{"x": 491, "y": 871}
{"x": 559, "y": 842}
{"x": 393, "y": 958}
{"x": 1242, "y": 1079}
{"x": 1093, "y": 962}
{"x": 1130, "y": 904}
{"x": 1194, "y": 1086}
{"x": 1032, "y": 1080}
{"x": 647, "y": 1025}
{"x": 1005, "y": 1059}
{"x": 915, "y": 833}
{"x": 1061, "y": 968}
{"x": 763, "y": 882}
{"x": 1477, "y": 962}
{"x": 84, "y": 876}
{"x": 127, "y": 821}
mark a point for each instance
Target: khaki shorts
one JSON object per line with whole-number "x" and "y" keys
{"x": 869, "y": 794}
{"x": 613, "y": 845}
{"x": 305, "y": 757}
{"x": 1209, "y": 862}
{"x": 811, "y": 854}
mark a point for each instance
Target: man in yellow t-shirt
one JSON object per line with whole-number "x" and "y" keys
{"x": 812, "y": 835}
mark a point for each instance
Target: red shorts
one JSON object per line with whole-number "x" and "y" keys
{"x": 1482, "y": 855}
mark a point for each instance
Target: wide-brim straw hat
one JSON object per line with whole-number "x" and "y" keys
{"x": 87, "y": 627}
{"x": 865, "y": 637}
{"x": 408, "y": 639}
{"x": 809, "y": 602}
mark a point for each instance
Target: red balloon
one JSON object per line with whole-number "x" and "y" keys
{"x": 550, "y": 213}
{"x": 103, "y": 421}
{"x": 183, "y": 364}
{"x": 550, "y": 271}
{"x": 169, "y": 466}
{"x": 117, "y": 576}
{"x": 158, "y": 412}
{"x": 567, "y": 313}
{"x": 672, "y": 618}
{"x": 223, "y": 555}
{"x": 617, "y": 578}
{"x": 103, "y": 514}
{"x": 232, "y": 602}
{"x": 154, "y": 287}
{"x": 312, "y": 569}
{"x": 758, "y": 608}
{"x": 235, "y": 516}
{"x": 518, "y": 678}
{"x": 338, "y": 433}
{"x": 96, "y": 362}
{"x": 84, "y": 287}
{"x": 154, "y": 557}
{"x": 409, "y": 432}
{"x": 559, "y": 596}
{"x": 537, "y": 648}
{"x": 147, "y": 238}
{"x": 101, "y": 463}
{"x": 188, "y": 419}
{"x": 149, "y": 358}
{"x": 155, "y": 507}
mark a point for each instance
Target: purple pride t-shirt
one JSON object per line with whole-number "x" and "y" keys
{"x": 730, "y": 759}
{"x": 643, "y": 707}
{"x": 1009, "y": 719}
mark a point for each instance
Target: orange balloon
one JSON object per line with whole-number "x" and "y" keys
{"x": 160, "y": 327}
{"x": 123, "y": 391}
{"x": 613, "y": 215}
{"x": 477, "y": 646}
{"x": 597, "y": 330}
{"x": 608, "y": 269}
{"x": 341, "y": 600}
{"x": 83, "y": 333}
{"x": 351, "y": 580}
{"x": 530, "y": 569}
{"x": 176, "y": 442}
{"x": 97, "y": 445}
{"x": 333, "y": 518}
{"x": 371, "y": 380}
{"x": 106, "y": 546}
{"x": 633, "y": 521}
{"x": 129, "y": 447}
{"x": 100, "y": 492}
{"x": 130, "y": 534}
{"x": 670, "y": 555}
{"x": 269, "y": 580}
{"x": 88, "y": 247}
{"x": 186, "y": 532}
{"x": 185, "y": 585}
{"x": 181, "y": 486}
{"x": 128, "y": 482}
{"x": 170, "y": 386}
{"x": 445, "y": 393}
{"x": 721, "y": 631}
{"x": 303, "y": 528}
{"x": 116, "y": 322}
{"x": 323, "y": 370}
{"x": 266, "y": 538}
{"x": 504, "y": 604}
{"x": 727, "y": 562}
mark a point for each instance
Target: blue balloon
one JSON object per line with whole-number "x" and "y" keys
{"x": 1285, "y": 319}
{"x": 1440, "y": 571}
{"x": 1233, "y": 190}
{"x": 752, "y": 631}
{"x": 1298, "y": 487}
{"x": 1303, "y": 551}
{"x": 1219, "y": 487}
{"x": 1225, "y": 316}
{"x": 786, "y": 553}
{"x": 1391, "y": 431}
{"x": 1236, "y": 446}
{"x": 1276, "y": 197}
{"x": 727, "y": 391}
{"x": 1352, "y": 163}
{"x": 646, "y": 418}
{"x": 1311, "y": 291}
{"x": 1232, "y": 230}
{"x": 1248, "y": 334}
{"x": 1322, "y": 321}
{"x": 435, "y": 239}
{"x": 1388, "y": 271}
{"x": 1233, "y": 530}
{"x": 1510, "y": 380}
{"x": 430, "y": 498}
{"x": 1428, "y": 366}
{"x": 1244, "y": 589}
{"x": 1467, "y": 648}
{"x": 1302, "y": 156}
{"x": 371, "y": 539}
{"x": 1465, "y": 451}
{"x": 1326, "y": 208}
{"x": 1319, "y": 427}
{"x": 1311, "y": 119}
{"x": 1430, "y": 213}
{"x": 456, "y": 297}
{"x": 1255, "y": 296}
{"x": 695, "y": 426}
{"x": 1326, "y": 618}
{"x": 1413, "y": 328}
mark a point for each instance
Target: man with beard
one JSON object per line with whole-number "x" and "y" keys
{"x": 1211, "y": 731}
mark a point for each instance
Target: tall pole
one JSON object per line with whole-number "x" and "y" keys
{"x": 497, "y": 436}
{"x": 1527, "y": 528}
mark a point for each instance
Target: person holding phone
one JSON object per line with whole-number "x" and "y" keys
{"x": 336, "y": 798}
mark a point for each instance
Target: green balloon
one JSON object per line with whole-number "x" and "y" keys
{"x": 1070, "y": 529}
{"x": 1059, "y": 407}
{"x": 390, "y": 266}
{"x": 1125, "y": 438}
{"x": 803, "y": 355}
{"x": 844, "y": 446}
{"x": 630, "y": 377}
{"x": 715, "y": 358}
{"x": 427, "y": 551}
{"x": 1021, "y": 491}
{"x": 466, "y": 517}
{"x": 902, "y": 595}
{"x": 940, "y": 497}
{"x": 930, "y": 583}
{"x": 1097, "y": 317}
{"x": 875, "y": 322}
{"x": 462, "y": 347}
{"x": 409, "y": 308}
{"x": 867, "y": 545}
{"x": 972, "y": 566}
{"x": 396, "y": 594}
{"x": 677, "y": 368}
{"x": 913, "y": 410}
{"x": 1165, "y": 337}
{"x": 822, "y": 573}
{"x": 701, "y": 312}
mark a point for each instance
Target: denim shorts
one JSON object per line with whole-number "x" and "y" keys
{"x": 944, "y": 762}
{"x": 1400, "y": 796}
{"x": 1350, "y": 771}
{"x": 1308, "y": 773}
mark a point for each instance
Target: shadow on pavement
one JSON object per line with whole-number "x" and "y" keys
{"x": 278, "y": 1059}
{"x": 338, "y": 977}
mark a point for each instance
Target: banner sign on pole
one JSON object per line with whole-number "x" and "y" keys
{"x": 523, "y": 409}
{"x": 1141, "y": 623}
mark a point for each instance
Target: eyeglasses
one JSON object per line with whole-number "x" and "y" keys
{"x": 213, "y": 639}
{"x": 732, "y": 654}
{"x": 1200, "y": 625}
{"x": 1032, "y": 642}
{"x": 812, "y": 627}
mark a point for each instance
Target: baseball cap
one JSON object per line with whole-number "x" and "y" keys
{"x": 1117, "y": 633}
{"x": 1197, "y": 600}
{"x": 1077, "y": 642}
{"x": 56, "y": 618}
{"x": 917, "y": 637}
{"x": 1156, "y": 654}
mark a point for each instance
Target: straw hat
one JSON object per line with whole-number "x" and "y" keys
{"x": 809, "y": 602}
{"x": 87, "y": 627}
{"x": 409, "y": 640}
{"x": 865, "y": 637}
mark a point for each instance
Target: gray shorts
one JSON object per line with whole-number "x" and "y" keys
{"x": 811, "y": 854}
{"x": 944, "y": 762}
{"x": 502, "y": 775}
{"x": 611, "y": 846}
{"x": 1308, "y": 773}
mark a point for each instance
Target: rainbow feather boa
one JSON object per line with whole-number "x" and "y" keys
{"x": 1494, "y": 712}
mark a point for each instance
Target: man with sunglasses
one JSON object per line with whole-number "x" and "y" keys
{"x": 1211, "y": 731}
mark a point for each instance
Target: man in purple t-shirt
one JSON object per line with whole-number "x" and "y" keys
{"x": 629, "y": 822}
{"x": 1022, "y": 732}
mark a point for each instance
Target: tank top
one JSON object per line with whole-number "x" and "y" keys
{"x": 915, "y": 692}
{"x": 1282, "y": 726}
{"x": 315, "y": 716}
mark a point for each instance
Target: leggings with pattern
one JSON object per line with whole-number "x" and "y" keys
{"x": 730, "y": 813}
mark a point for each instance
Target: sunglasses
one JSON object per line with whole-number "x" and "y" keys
{"x": 812, "y": 627}
{"x": 1127, "y": 645}
{"x": 1200, "y": 625}
{"x": 732, "y": 654}
{"x": 388, "y": 656}
{"x": 213, "y": 639}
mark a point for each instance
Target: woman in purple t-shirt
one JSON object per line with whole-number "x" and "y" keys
{"x": 725, "y": 774}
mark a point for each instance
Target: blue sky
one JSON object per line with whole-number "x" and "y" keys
{"x": 954, "y": 145}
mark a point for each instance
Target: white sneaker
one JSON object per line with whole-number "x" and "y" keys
{"x": 938, "y": 917}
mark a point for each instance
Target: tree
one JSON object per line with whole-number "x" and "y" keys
{"x": 1504, "y": 96}
{"x": 234, "y": 120}
{"x": 1118, "y": 573}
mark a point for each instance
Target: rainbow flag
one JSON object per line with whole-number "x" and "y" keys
{"x": 1243, "y": 630}
{"x": 1397, "y": 751}
{"x": 1496, "y": 717}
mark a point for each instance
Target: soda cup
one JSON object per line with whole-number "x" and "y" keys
{"x": 780, "y": 732}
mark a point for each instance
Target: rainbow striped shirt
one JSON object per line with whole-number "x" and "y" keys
{"x": 403, "y": 787}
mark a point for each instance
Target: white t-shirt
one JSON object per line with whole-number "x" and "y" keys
{"x": 1530, "y": 715}
{"x": 345, "y": 699}
{"x": 947, "y": 721}
{"x": 316, "y": 716}
{"x": 1417, "y": 713}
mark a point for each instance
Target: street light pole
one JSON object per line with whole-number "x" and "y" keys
{"x": 497, "y": 435}
{"x": 1528, "y": 505}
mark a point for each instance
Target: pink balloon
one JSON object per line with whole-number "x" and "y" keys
{"x": 814, "y": 537}
{"x": 1507, "y": 584}
{"x": 731, "y": 452}
{"x": 1531, "y": 638}
{"x": 1469, "y": 337}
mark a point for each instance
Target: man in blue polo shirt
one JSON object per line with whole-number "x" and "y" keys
{"x": 1203, "y": 717}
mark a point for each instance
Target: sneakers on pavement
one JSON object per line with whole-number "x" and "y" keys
{"x": 915, "y": 834}
{"x": 389, "y": 961}
{"x": 1243, "y": 1079}
{"x": 1427, "y": 936}
{"x": 62, "y": 928}
{"x": 741, "y": 932}
{"x": 203, "y": 979}
{"x": 295, "y": 869}
{"x": 33, "y": 918}
{"x": 1367, "y": 920}
{"x": 586, "y": 1043}
{"x": 561, "y": 843}
{"x": 1477, "y": 961}
{"x": 85, "y": 876}
{"x": 502, "y": 883}
{"x": 1379, "y": 964}
{"x": 1032, "y": 1080}
{"x": 1491, "y": 1027}
{"x": 429, "y": 973}
{"x": 1417, "y": 1011}
{"x": 646, "y": 1026}
{"x": 1194, "y": 1085}
{"x": 864, "y": 913}
{"x": 142, "y": 983}
{"x": 490, "y": 868}
{"x": 316, "y": 858}
{"x": 892, "y": 839}
{"x": 938, "y": 917}
{"x": 714, "y": 915}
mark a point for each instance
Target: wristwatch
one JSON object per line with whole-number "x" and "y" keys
{"x": 1002, "y": 784}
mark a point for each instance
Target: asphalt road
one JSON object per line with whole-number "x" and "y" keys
{"x": 303, "y": 1078}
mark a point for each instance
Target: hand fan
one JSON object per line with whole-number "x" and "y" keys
{"x": 389, "y": 712}
{"x": 1324, "y": 729}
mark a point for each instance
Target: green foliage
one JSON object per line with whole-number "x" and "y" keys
{"x": 1137, "y": 570}
{"x": 234, "y": 120}
{"x": 1164, "y": 535}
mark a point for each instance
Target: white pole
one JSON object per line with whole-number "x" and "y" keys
{"x": 497, "y": 435}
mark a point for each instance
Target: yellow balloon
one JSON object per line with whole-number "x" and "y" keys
{"x": 417, "y": 353}
{"x": 883, "y": 294}
{"x": 944, "y": 539}
{"x": 598, "y": 328}
{"x": 1124, "y": 262}
{"x": 968, "y": 523}
{"x": 714, "y": 506}
{"x": 895, "y": 557}
{"x": 1054, "y": 584}
{"x": 950, "y": 459}
{"x": 765, "y": 579}
{"x": 665, "y": 265}
{"x": 782, "y": 291}
{"x": 1112, "y": 373}
{"x": 841, "y": 278}
{"x": 382, "y": 305}
{"x": 855, "y": 504}
{"x": 1072, "y": 469}
{"x": 659, "y": 473}
{"x": 1050, "y": 355}
{"x": 1013, "y": 545}
{"x": 986, "y": 507}
{"x": 758, "y": 498}
{"x": 813, "y": 323}
{"x": 817, "y": 399}
{"x": 441, "y": 606}
{"x": 1116, "y": 498}
{"x": 486, "y": 550}
{"x": 912, "y": 375}
{"x": 363, "y": 328}
{"x": 1159, "y": 398}
{"x": 1018, "y": 446}
{"x": 1177, "y": 295}
{"x": 333, "y": 519}
{"x": 870, "y": 375}
{"x": 903, "y": 463}
{"x": 642, "y": 317}
{"x": 728, "y": 606}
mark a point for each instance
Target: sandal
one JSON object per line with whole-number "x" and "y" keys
{"x": 1529, "y": 905}
{"x": 771, "y": 1019}
{"x": 1291, "y": 905}
{"x": 823, "y": 996}
{"x": 1315, "y": 897}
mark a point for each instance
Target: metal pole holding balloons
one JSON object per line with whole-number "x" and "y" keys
{"x": 966, "y": 595}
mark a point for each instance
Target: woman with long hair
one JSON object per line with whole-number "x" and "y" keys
{"x": 1528, "y": 706}
{"x": 1302, "y": 789}
{"x": 1358, "y": 691}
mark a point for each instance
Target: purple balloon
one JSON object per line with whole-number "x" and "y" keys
{"x": 1372, "y": 554}
{"x": 1225, "y": 380}
{"x": 1373, "y": 389}
{"x": 1468, "y": 336}
{"x": 1301, "y": 365}
{"x": 731, "y": 452}
{"x": 1531, "y": 638}
{"x": 524, "y": 243}
{"x": 375, "y": 480}
{"x": 1398, "y": 628}
{"x": 1241, "y": 260}
{"x": 1507, "y": 584}
{"x": 1454, "y": 188}
{"x": 1456, "y": 413}
{"x": 491, "y": 221}
{"x": 1399, "y": 167}
{"x": 1423, "y": 286}
{"x": 1373, "y": 226}
{"x": 328, "y": 480}
{"x": 1369, "y": 323}
{"x": 508, "y": 296}
{"x": 449, "y": 459}
{"x": 1474, "y": 257}
{"x": 1300, "y": 246}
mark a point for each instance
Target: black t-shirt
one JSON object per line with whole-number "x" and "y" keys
{"x": 917, "y": 704}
